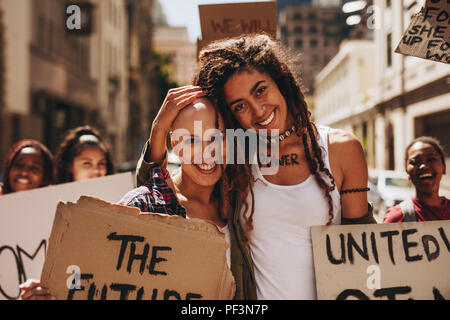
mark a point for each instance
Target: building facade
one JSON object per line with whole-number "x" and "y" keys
{"x": 313, "y": 34}
{"x": 175, "y": 42}
{"x": 344, "y": 95}
{"x": 57, "y": 79}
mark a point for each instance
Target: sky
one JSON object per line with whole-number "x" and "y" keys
{"x": 184, "y": 13}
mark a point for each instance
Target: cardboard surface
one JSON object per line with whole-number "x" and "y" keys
{"x": 385, "y": 261}
{"x": 428, "y": 35}
{"x": 122, "y": 254}
{"x": 26, "y": 220}
{"x": 219, "y": 21}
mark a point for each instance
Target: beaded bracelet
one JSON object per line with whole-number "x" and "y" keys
{"x": 354, "y": 190}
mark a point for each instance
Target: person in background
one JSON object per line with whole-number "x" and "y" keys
{"x": 425, "y": 166}
{"x": 28, "y": 165}
{"x": 82, "y": 155}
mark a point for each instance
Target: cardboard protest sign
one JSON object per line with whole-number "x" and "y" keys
{"x": 26, "y": 220}
{"x": 428, "y": 35}
{"x": 385, "y": 261}
{"x": 219, "y": 21}
{"x": 98, "y": 250}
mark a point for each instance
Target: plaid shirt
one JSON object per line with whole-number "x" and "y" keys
{"x": 155, "y": 195}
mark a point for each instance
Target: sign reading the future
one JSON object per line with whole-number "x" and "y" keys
{"x": 385, "y": 261}
{"x": 101, "y": 251}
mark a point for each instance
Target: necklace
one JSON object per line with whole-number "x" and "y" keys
{"x": 282, "y": 136}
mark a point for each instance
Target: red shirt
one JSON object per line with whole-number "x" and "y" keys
{"x": 423, "y": 212}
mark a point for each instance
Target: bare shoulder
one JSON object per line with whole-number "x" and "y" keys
{"x": 341, "y": 140}
{"x": 347, "y": 153}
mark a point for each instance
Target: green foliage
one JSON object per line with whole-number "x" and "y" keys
{"x": 163, "y": 70}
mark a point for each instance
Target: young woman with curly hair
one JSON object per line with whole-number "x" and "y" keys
{"x": 321, "y": 178}
{"x": 425, "y": 166}
{"x": 28, "y": 165}
{"x": 82, "y": 155}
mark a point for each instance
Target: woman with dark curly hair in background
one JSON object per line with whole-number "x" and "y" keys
{"x": 28, "y": 165}
{"x": 82, "y": 155}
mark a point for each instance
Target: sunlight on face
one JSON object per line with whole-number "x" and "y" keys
{"x": 90, "y": 163}
{"x": 27, "y": 170}
{"x": 201, "y": 153}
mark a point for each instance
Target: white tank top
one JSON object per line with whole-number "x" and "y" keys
{"x": 280, "y": 243}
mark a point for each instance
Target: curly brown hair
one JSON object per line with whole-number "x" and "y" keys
{"x": 217, "y": 63}
{"x": 14, "y": 152}
{"x": 71, "y": 146}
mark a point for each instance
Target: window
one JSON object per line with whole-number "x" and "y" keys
{"x": 312, "y": 29}
{"x": 298, "y": 44}
{"x": 313, "y": 43}
{"x": 298, "y": 30}
{"x": 312, "y": 16}
{"x": 297, "y": 16}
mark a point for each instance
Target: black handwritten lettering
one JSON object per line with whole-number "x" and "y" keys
{"x": 83, "y": 276}
{"x": 294, "y": 158}
{"x": 389, "y": 235}
{"x": 330, "y": 254}
{"x": 435, "y": 56}
{"x": 352, "y": 292}
{"x": 414, "y": 30}
{"x": 140, "y": 293}
{"x": 125, "y": 239}
{"x": 407, "y": 245}
{"x": 19, "y": 273}
{"x": 374, "y": 246}
{"x": 427, "y": 12}
{"x": 155, "y": 259}
{"x": 439, "y": 30}
{"x": 142, "y": 257}
{"x": 171, "y": 294}
{"x": 444, "y": 238}
{"x": 124, "y": 289}
{"x": 351, "y": 243}
{"x": 190, "y": 296}
{"x": 426, "y": 239}
{"x": 18, "y": 255}
{"x": 437, "y": 294}
{"x": 442, "y": 16}
{"x": 426, "y": 30}
{"x": 225, "y": 27}
{"x": 390, "y": 293}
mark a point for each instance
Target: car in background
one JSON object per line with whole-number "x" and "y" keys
{"x": 389, "y": 189}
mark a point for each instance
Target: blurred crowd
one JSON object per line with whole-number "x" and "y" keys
{"x": 82, "y": 154}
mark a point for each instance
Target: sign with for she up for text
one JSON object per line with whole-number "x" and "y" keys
{"x": 101, "y": 251}
{"x": 428, "y": 35}
{"x": 397, "y": 261}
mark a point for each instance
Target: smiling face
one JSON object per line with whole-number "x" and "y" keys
{"x": 198, "y": 124}
{"x": 90, "y": 163}
{"x": 256, "y": 102}
{"x": 424, "y": 167}
{"x": 27, "y": 170}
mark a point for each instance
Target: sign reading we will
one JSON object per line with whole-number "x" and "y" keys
{"x": 428, "y": 35}
{"x": 385, "y": 261}
{"x": 101, "y": 251}
{"x": 219, "y": 21}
